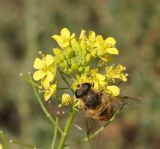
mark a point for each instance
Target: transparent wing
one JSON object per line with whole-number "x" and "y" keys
{"x": 126, "y": 101}
{"x": 91, "y": 126}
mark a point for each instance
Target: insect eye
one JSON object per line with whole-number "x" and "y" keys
{"x": 78, "y": 86}
{"x": 78, "y": 93}
{"x": 86, "y": 86}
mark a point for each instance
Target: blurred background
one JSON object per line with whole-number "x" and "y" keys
{"x": 26, "y": 27}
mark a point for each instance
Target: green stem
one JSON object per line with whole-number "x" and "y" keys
{"x": 29, "y": 80}
{"x": 55, "y": 134}
{"x": 43, "y": 107}
{"x": 66, "y": 129}
{"x": 4, "y": 140}
{"x": 63, "y": 88}
{"x": 98, "y": 130}
{"x": 23, "y": 144}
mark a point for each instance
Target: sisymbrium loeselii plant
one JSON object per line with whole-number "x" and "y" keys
{"x": 87, "y": 58}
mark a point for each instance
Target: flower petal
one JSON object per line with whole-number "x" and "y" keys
{"x": 57, "y": 51}
{"x": 58, "y": 39}
{"x": 47, "y": 95}
{"x": 65, "y": 33}
{"x": 49, "y": 60}
{"x": 50, "y": 76}
{"x": 112, "y": 51}
{"x": 46, "y": 81}
{"x": 49, "y": 91}
{"x": 114, "y": 90}
{"x": 110, "y": 41}
{"x": 38, "y": 75}
{"x": 53, "y": 88}
{"x": 38, "y": 63}
{"x": 100, "y": 77}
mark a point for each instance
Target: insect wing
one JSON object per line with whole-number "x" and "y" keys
{"x": 126, "y": 101}
{"x": 91, "y": 126}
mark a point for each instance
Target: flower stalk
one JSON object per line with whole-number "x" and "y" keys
{"x": 43, "y": 107}
{"x": 55, "y": 134}
{"x": 66, "y": 129}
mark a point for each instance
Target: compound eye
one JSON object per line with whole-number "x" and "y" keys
{"x": 78, "y": 93}
{"x": 86, "y": 86}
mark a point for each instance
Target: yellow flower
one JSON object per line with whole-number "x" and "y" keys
{"x": 66, "y": 99}
{"x": 49, "y": 91}
{"x": 46, "y": 69}
{"x": 92, "y": 77}
{"x": 105, "y": 47}
{"x": 110, "y": 41}
{"x": 98, "y": 79}
{"x": 113, "y": 73}
{"x": 113, "y": 90}
{"x": 64, "y": 38}
{"x": 80, "y": 80}
{"x": 1, "y": 147}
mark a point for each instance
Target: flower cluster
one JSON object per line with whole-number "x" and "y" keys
{"x": 76, "y": 54}
{"x": 86, "y": 59}
{"x": 46, "y": 71}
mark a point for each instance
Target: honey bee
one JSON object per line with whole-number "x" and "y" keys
{"x": 96, "y": 104}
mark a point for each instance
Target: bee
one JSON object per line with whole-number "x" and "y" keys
{"x": 96, "y": 104}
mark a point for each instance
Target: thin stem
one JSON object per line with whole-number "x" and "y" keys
{"x": 66, "y": 129}
{"x": 23, "y": 144}
{"x": 70, "y": 117}
{"x": 29, "y": 80}
{"x": 4, "y": 140}
{"x": 63, "y": 88}
{"x": 43, "y": 107}
{"x": 55, "y": 134}
{"x": 98, "y": 130}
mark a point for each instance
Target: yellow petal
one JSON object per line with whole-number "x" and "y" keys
{"x": 57, "y": 51}
{"x": 99, "y": 38}
{"x": 114, "y": 90}
{"x": 38, "y": 75}
{"x": 58, "y": 39}
{"x": 53, "y": 88}
{"x": 49, "y": 91}
{"x": 72, "y": 36}
{"x": 46, "y": 81}
{"x": 120, "y": 68}
{"x": 112, "y": 51}
{"x": 47, "y": 95}
{"x": 65, "y": 33}
{"x": 49, "y": 59}
{"x": 92, "y": 36}
{"x": 93, "y": 53}
{"x": 100, "y": 77}
{"x": 110, "y": 41}
{"x": 103, "y": 59}
{"x": 38, "y": 63}
{"x": 82, "y": 34}
{"x": 1, "y": 147}
{"x": 50, "y": 76}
